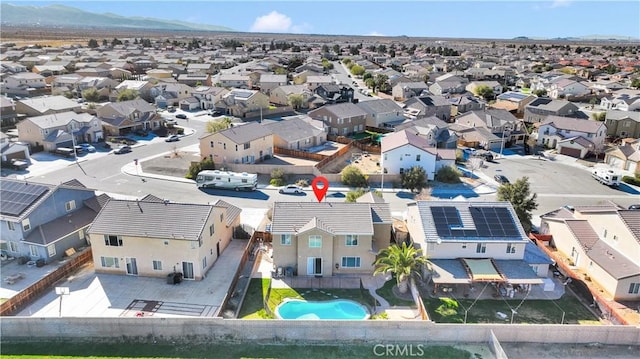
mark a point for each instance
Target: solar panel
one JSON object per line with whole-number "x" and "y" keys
{"x": 494, "y": 222}
{"x": 16, "y": 197}
{"x": 445, "y": 218}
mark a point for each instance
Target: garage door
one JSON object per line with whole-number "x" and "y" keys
{"x": 573, "y": 152}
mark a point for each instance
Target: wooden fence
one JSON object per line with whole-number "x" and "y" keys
{"x": 299, "y": 154}
{"x": 30, "y": 293}
{"x": 328, "y": 159}
{"x": 243, "y": 260}
{"x": 597, "y": 296}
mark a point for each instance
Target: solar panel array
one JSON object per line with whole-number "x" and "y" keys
{"x": 15, "y": 197}
{"x": 512, "y": 95}
{"x": 493, "y": 222}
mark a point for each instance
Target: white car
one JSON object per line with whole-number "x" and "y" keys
{"x": 291, "y": 189}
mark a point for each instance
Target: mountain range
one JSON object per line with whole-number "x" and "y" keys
{"x": 66, "y": 16}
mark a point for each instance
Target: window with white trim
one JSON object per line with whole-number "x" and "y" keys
{"x": 110, "y": 262}
{"x": 81, "y": 234}
{"x": 13, "y": 247}
{"x": 634, "y": 288}
{"x": 70, "y": 206}
{"x": 112, "y": 241}
{"x": 352, "y": 240}
{"x": 157, "y": 265}
{"x": 26, "y": 225}
{"x": 51, "y": 250}
{"x": 351, "y": 262}
{"x": 511, "y": 248}
{"x": 315, "y": 241}
{"x": 285, "y": 239}
{"x": 12, "y": 226}
{"x": 33, "y": 250}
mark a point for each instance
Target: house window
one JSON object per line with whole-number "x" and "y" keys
{"x": 351, "y": 262}
{"x": 315, "y": 241}
{"x": 51, "y": 250}
{"x": 589, "y": 135}
{"x": 109, "y": 262}
{"x": 604, "y": 233}
{"x": 247, "y": 145}
{"x": 285, "y": 239}
{"x": 70, "y": 206}
{"x": 157, "y": 265}
{"x": 224, "y": 146}
{"x": 352, "y": 240}
{"x": 385, "y": 156}
{"x": 221, "y": 217}
{"x": 13, "y": 247}
{"x": 33, "y": 251}
{"x": 166, "y": 243}
{"x": 211, "y": 144}
{"x": 418, "y": 158}
{"x": 511, "y": 248}
{"x": 11, "y": 225}
{"x": 112, "y": 241}
{"x": 26, "y": 225}
{"x": 236, "y": 148}
{"x": 81, "y": 234}
{"x": 634, "y": 288}
{"x": 211, "y": 230}
{"x": 481, "y": 248}
{"x": 204, "y": 262}
{"x": 464, "y": 245}
{"x": 345, "y": 131}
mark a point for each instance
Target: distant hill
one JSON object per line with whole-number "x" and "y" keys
{"x": 584, "y": 38}
{"x": 66, "y": 16}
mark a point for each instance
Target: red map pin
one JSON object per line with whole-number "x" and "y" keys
{"x": 321, "y": 190}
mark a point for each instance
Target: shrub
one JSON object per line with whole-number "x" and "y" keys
{"x": 277, "y": 178}
{"x": 353, "y": 177}
{"x": 415, "y": 179}
{"x": 196, "y": 167}
{"x": 448, "y": 174}
{"x": 302, "y": 182}
{"x": 631, "y": 180}
{"x": 353, "y": 195}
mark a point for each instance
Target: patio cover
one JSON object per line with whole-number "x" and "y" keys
{"x": 449, "y": 271}
{"x": 518, "y": 272}
{"x": 482, "y": 270}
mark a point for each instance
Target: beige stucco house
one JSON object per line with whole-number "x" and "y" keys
{"x": 54, "y": 130}
{"x": 602, "y": 241}
{"x": 248, "y": 143}
{"x": 329, "y": 238}
{"x": 155, "y": 238}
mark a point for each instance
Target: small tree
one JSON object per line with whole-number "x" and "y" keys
{"x": 484, "y": 91}
{"x": 214, "y": 126}
{"x": 448, "y": 174}
{"x": 91, "y": 95}
{"x": 599, "y": 116}
{"x": 277, "y": 178}
{"x": 519, "y": 195}
{"x": 415, "y": 179}
{"x": 352, "y": 176}
{"x": 93, "y": 43}
{"x": 540, "y": 93}
{"x": 127, "y": 95}
{"x": 296, "y": 100}
{"x": 402, "y": 261}
{"x": 357, "y": 70}
{"x": 635, "y": 83}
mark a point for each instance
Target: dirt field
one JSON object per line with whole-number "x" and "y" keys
{"x": 367, "y": 165}
{"x": 582, "y": 351}
{"x": 174, "y": 164}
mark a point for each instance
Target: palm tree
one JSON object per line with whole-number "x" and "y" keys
{"x": 403, "y": 261}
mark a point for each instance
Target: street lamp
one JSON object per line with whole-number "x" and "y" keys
{"x": 502, "y": 142}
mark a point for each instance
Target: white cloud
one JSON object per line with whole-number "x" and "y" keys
{"x": 560, "y": 3}
{"x": 375, "y": 33}
{"x": 272, "y": 22}
{"x": 301, "y": 29}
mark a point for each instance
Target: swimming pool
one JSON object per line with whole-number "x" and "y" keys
{"x": 340, "y": 309}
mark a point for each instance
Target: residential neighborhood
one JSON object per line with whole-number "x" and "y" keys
{"x": 416, "y": 179}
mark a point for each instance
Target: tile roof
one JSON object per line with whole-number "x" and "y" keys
{"x": 45, "y": 103}
{"x": 293, "y": 129}
{"x": 61, "y": 227}
{"x": 404, "y": 137}
{"x": 152, "y": 219}
{"x": 342, "y": 110}
{"x": 232, "y": 211}
{"x": 631, "y": 219}
{"x": 125, "y": 108}
{"x": 380, "y": 106}
{"x": 333, "y": 217}
{"x": 573, "y": 124}
{"x": 245, "y": 133}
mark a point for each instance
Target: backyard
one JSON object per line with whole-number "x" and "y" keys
{"x": 499, "y": 311}
{"x": 252, "y": 307}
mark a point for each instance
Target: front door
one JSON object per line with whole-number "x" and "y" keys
{"x": 314, "y": 266}
{"x": 187, "y": 270}
{"x": 132, "y": 267}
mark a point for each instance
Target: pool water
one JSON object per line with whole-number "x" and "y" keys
{"x": 340, "y": 309}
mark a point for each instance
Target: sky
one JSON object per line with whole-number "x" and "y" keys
{"x": 466, "y": 19}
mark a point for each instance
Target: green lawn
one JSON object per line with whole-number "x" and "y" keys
{"x": 386, "y": 292}
{"x": 215, "y": 350}
{"x": 531, "y": 311}
{"x": 252, "y": 307}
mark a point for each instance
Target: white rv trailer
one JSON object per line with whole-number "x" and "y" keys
{"x": 606, "y": 176}
{"x": 227, "y": 180}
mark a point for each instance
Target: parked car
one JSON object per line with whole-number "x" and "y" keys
{"x": 291, "y": 189}
{"x": 172, "y": 138}
{"x": 501, "y": 179}
{"x": 634, "y": 207}
{"x": 181, "y": 116}
{"x": 171, "y": 109}
{"x": 123, "y": 149}
{"x": 79, "y": 150}
{"x": 18, "y": 164}
{"x": 87, "y": 147}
